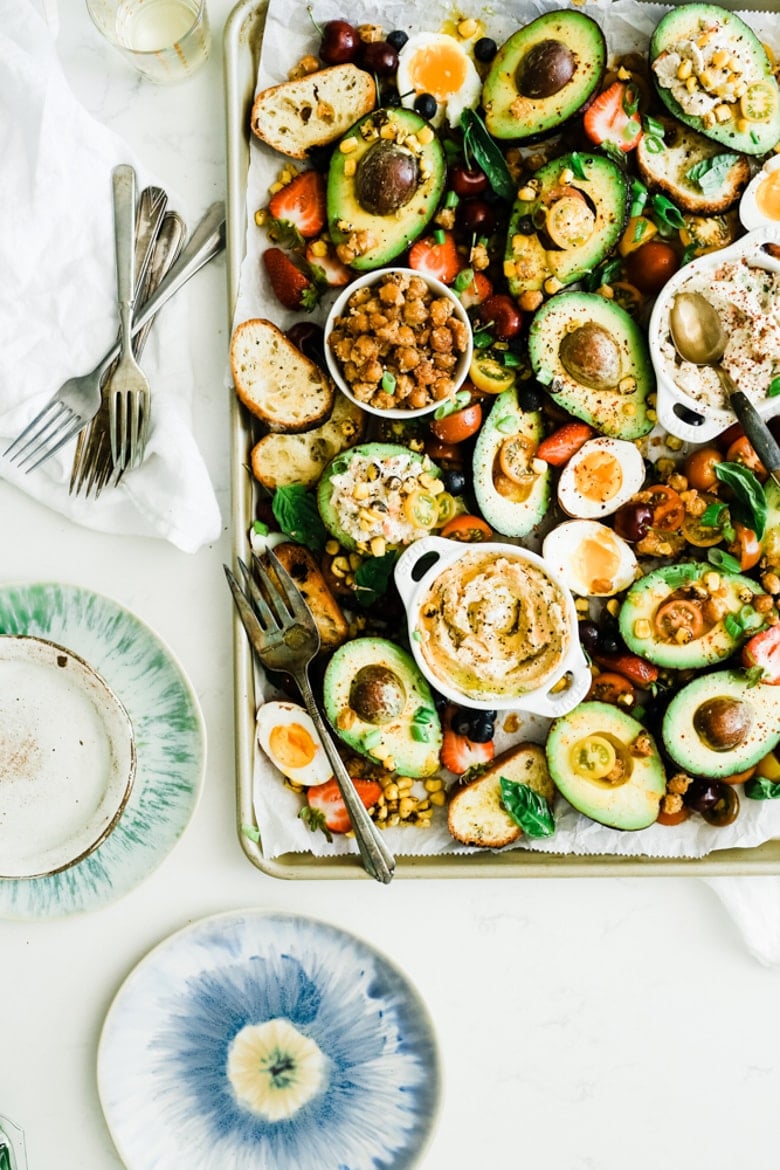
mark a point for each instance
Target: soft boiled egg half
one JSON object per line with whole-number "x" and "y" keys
{"x": 287, "y": 735}
{"x": 600, "y": 477}
{"x": 760, "y": 202}
{"x": 438, "y": 64}
{"x": 590, "y": 558}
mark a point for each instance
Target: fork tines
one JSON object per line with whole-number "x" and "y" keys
{"x": 279, "y": 600}
{"x": 51, "y": 429}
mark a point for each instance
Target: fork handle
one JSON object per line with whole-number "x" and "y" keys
{"x": 378, "y": 861}
{"x": 124, "y": 242}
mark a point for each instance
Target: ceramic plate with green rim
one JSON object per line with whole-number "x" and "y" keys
{"x": 169, "y": 736}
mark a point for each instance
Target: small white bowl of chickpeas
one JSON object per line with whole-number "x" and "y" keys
{"x": 398, "y": 343}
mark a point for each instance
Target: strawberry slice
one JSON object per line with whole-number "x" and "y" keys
{"x": 292, "y": 287}
{"x": 300, "y": 205}
{"x": 326, "y": 268}
{"x": 436, "y": 256}
{"x": 614, "y": 117}
{"x": 458, "y": 752}
{"x": 326, "y": 809}
{"x": 476, "y": 291}
{"x": 558, "y": 448}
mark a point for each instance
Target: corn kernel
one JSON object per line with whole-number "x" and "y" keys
{"x": 318, "y": 248}
{"x": 607, "y": 292}
{"x": 275, "y": 188}
{"x": 406, "y": 806}
{"x": 350, "y": 168}
{"x": 642, "y": 628}
{"x": 735, "y": 64}
{"x": 438, "y": 798}
{"x": 567, "y": 176}
{"x": 527, "y": 194}
{"x": 347, "y": 145}
{"x": 425, "y": 136}
{"x": 673, "y": 443}
{"x": 552, "y": 285}
{"x": 720, "y": 58}
{"x": 704, "y": 39}
{"x": 582, "y": 605}
{"x": 467, "y": 28}
{"x": 722, "y": 114}
{"x": 261, "y": 215}
{"x": 346, "y": 719}
{"x": 613, "y": 607}
{"x": 743, "y": 126}
{"x": 623, "y": 74}
{"x": 405, "y": 784}
{"x": 684, "y": 70}
{"x": 340, "y": 566}
{"x": 388, "y": 130}
{"x": 629, "y": 409}
{"x": 510, "y": 269}
{"x": 627, "y": 385}
{"x": 433, "y": 784}
{"x": 332, "y": 548}
{"x": 692, "y": 84}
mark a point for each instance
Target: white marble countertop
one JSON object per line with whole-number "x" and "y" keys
{"x": 583, "y": 1024}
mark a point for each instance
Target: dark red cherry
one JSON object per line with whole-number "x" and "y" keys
{"x": 340, "y": 42}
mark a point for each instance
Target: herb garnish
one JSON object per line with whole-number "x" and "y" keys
{"x": 710, "y": 174}
{"x": 749, "y": 506}
{"x": 527, "y": 808}
{"x": 295, "y": 511}
{"x": 478, "y": 145}
{"x": 372, "y": 578}
{"x": 759, "y": 788}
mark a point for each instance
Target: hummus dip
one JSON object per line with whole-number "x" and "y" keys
{"x": 493, "y": 626}
{"x": 747, "y": 300}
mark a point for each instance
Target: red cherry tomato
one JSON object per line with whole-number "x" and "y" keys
{"x": 501, "y": 313}
{"x": 745, "y": 547}
{"x": 742, "y": 451}
{"x": 700, "y": 468}
{"x": 459, "y": 425}
{"x": 668, "y": 508}
{"x": 609, "y": 687}
{"x": 763, "y": 650}
{"x": 674, "y": 818}
{"x": 651, "y": 265}
{"x": 443, "y": 453}
{"x": 470, "y": 529}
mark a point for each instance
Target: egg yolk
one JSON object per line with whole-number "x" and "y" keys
{"x": 292, "y": 745}
{"x": 596, "y": 563}
{"x": 768, "y": 195}
{"x": 439, "y": 70}
{"x": 598, "y": 476}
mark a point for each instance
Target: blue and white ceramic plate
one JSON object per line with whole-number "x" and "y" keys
{"x": 169, "y": 739}
{"x": 268, "y": 1042}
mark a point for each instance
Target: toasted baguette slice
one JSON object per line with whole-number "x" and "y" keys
{"x": 307, "y": 575}
{"x": 275, "y": 381}
{"x": 476, "y": 815}
{"x": 667, "y": 170}
{"x": 313, "y": 110}
{"x": 280, "y": 460}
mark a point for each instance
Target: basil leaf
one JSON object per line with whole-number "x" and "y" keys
{"x": 487, "y": 154}
{"x": 749, "y": 506}
{"x": 712, "y": 514}
{"x": 295, "y": 511}
{"x": 759, "y": 788}
{"x": 372, "y": 578}
{"x": 527, "y": 808}
{"x": 774, "y": 388}
{"x": 710, "y": 174}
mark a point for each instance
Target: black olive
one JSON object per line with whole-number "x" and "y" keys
{"x": 454, "y": 481}
{"x": 525, "y": 226}
{"x": 703, "y": 795}
{"x": 485, "y": 49}
{"x": 590, "y": 635}
{"x": 610, "y": 644}
{"x": 425, "y": 105}
{"x": 461, "y": 723}
{"x": 483, "y": 727}
{"x": 397, "y": 38}
{"x": 530, "y": 398}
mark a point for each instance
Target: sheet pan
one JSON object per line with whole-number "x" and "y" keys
{"x": 241, "y": 48}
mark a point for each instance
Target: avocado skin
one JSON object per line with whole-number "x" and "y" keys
{"x": 340, "y": 463}
{"x": 395, "y": 231}
{"x": 508, "y": 517}
{"x": 682, "y": 23}
{"x": 646, "y": 595}
{"x": 629, "y": 806}
{"x": 603, "y": 409}
{"x": 411, "y": 757}
{"x": 685, "y": 746}
{"x": 533, "y": 118}
{"x": 605, "y": 188}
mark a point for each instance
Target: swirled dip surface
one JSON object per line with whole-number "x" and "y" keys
{"x": 493, "y": 626}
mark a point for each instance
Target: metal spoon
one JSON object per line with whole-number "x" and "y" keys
{"x": 699, "y": 337}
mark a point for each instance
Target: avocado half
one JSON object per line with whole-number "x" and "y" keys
{"x": 626, "y": 782}
{"x": 684, "y": 26}
{"x": 385, "y": 180}
{"x": 543, "y": 75}
{"x": 574, "y": 221}
{"x": 594, "y": 360}
{"x": 380, "y": 455}
{"x": 720, "y": 724}
{"x": 644, "y": 600}
{"x": 380, "y": 705}
{"x": 512, "y": 509}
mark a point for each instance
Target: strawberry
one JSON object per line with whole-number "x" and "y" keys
{"x": 476, "y": 291}
{"x": 292, "y": 287}
{"x": 458, "y": 752}
{"x": 437, "y": 259}
{"x": 326, "y": 809}
{"x": 559, "y": 447}
{"x": 327, "y": 269}
{"x": 300, "y": 205}
{"x": 614, "y": 117}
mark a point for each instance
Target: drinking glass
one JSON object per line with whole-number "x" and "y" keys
{"x": 165, "y": 40}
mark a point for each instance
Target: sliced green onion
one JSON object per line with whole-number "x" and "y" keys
{"x": 463, "y": 279}
{"x": 508, "y": 425}
{"x": 733, "y": 625}
{"x": 450, "y": 405}
{"x": 577, "y": 166}
{"x": 388, "y": 382}
{"x": 439, "y": 236}
{"x": 723, "y": 560}
{"x": 452, "y": 199}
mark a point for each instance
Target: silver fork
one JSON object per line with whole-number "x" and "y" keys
{"x": 128, "y": 393}
{"x": 78, "y": 400}
{"x": 284, "y": 636}
{"x": 93, "y": 467}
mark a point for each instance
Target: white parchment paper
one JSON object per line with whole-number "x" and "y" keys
{"x": 289, "y": 35}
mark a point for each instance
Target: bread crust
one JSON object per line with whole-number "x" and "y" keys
{"x": 275, "y": 381}
{"x": 476, "y": 815}
{"x": 314, "y": 110}
{"x": 279, "y": 460}
{"x": 307, "y": 575}
{"x": 666, "y": 170}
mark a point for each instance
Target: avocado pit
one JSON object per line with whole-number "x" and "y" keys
{"x": 591, "y": 356}
{"x": 386, "y": 179}
{"x": 377, "y": 694}
{"x": 723, "y": 723}
{"x": 545, "y": 69}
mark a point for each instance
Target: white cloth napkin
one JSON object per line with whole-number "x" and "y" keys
{"x": 57, "y": 297}
{"x": 754, "y": 905}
